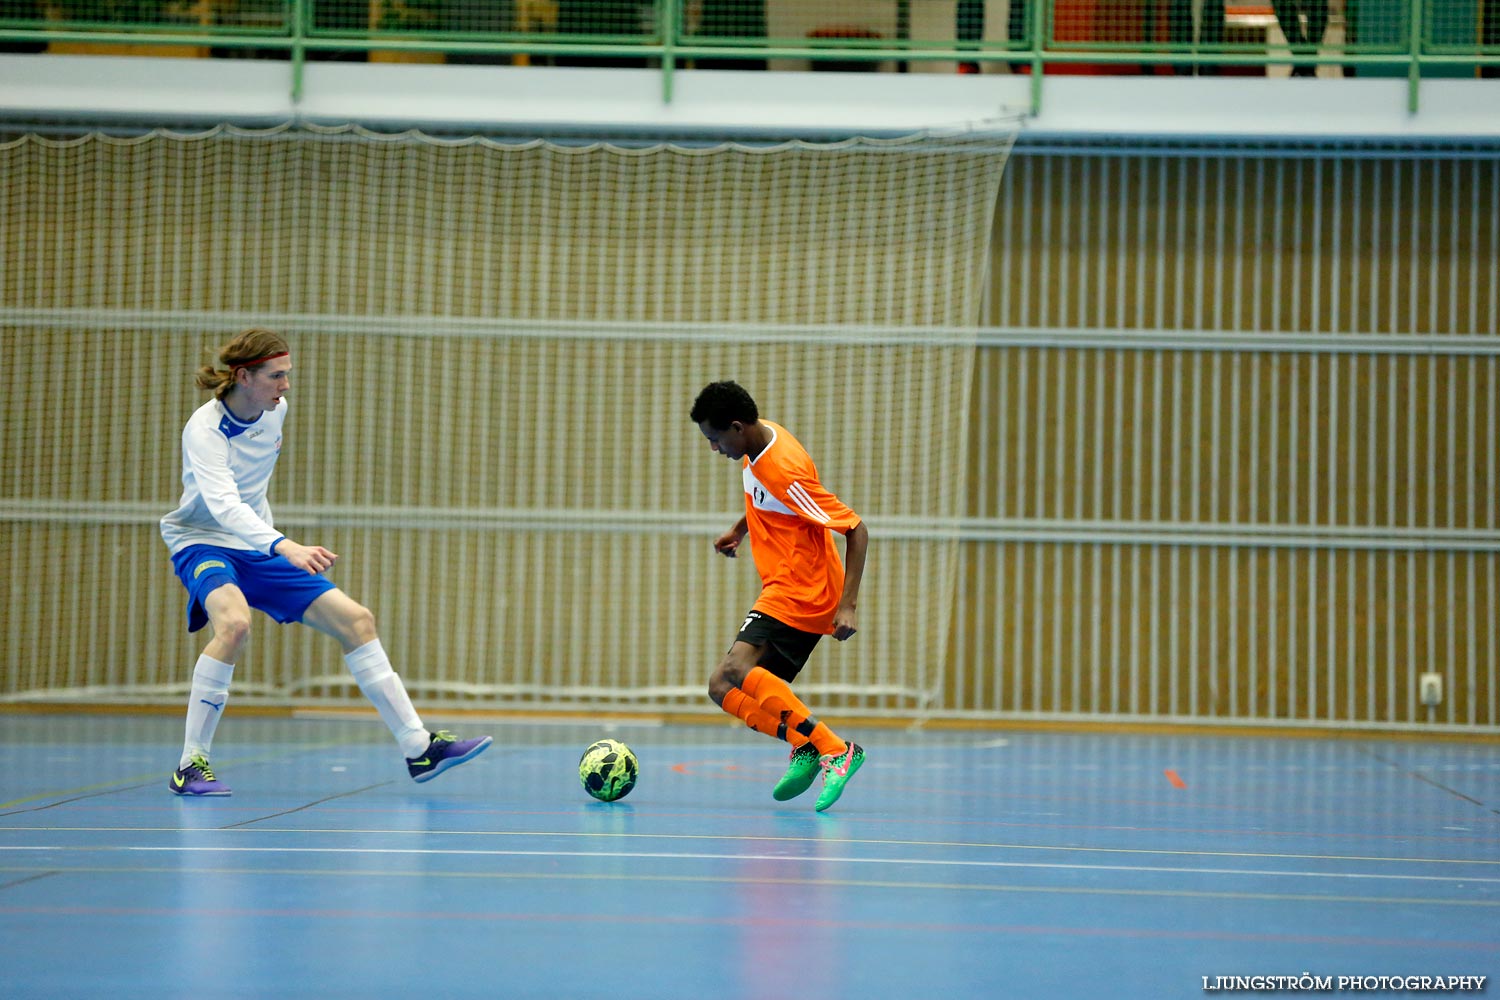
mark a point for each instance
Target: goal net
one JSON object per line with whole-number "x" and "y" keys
{"x": 496, "y": 348}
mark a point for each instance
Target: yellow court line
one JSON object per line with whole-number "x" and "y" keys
{"x": 752, "y": 839}
{"x": 742, "y": 856}
{"x": 141, "y": 779}
{"x": 747, "y": 880}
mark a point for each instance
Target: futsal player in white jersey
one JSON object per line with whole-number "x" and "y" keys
{"x": 230, "y": 557}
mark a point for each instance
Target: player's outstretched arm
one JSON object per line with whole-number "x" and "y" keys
{"x": 728, "y": 543}
{"x": 310, "y": 558}
{"x": 846, "y": 618}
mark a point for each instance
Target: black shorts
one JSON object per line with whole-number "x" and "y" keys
{"x": 784, "y": 649}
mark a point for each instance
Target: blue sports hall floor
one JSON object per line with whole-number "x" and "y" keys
{"x": 1002, "y": 864}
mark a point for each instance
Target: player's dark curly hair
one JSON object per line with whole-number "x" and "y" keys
{"x": 722, "y": 403}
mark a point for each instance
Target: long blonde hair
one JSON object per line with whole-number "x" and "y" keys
{"x": 250, "y": 345}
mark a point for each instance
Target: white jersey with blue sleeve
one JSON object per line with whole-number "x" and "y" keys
{"x": 226, "y": 472}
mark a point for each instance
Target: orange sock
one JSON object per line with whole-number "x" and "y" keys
{"x": 826, "y": 740}
{"x": 776, "y": 698}
{"x": 740, "y": 705}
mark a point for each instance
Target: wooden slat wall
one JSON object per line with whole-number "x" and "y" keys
{"x": 1249, "y": 533}
{"x": 1170, "y": 510}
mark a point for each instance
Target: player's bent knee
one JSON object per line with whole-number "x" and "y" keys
{"x": 725, "y": 678}
{"x": 718, "y": 688}
{"x": 233, "y": 629}
{"x": 362, "y": 622}
{"x": 354, "y": 623}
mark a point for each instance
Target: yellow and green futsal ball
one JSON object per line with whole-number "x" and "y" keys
{"x": 608, "y": 770}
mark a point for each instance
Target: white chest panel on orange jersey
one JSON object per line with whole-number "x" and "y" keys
{"x": 762, "y": 498}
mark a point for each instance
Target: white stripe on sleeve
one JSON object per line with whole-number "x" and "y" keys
{"x": 805, "y": 502}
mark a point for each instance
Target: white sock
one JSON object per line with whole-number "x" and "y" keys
{"x": 372, "y": 672}
{"x": 206, "y": 698}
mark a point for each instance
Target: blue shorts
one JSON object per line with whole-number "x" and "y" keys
{"x": 269, "y": 583}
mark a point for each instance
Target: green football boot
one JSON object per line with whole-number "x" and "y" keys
{"x": 837, "y": 770}
{"x": 801, "y": 769}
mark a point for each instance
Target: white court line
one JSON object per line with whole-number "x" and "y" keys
{"x": 755, "y": 839}
{"x": 685, "y": 856}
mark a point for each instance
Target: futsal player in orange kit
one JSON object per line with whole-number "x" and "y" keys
{"x": 806, "y": 593}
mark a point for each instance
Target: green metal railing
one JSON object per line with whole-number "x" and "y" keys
{"x": 1405, "y": 38}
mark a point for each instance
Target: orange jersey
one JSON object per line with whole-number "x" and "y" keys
{"x": 791, "y": 517}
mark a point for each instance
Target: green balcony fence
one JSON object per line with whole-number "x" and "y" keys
{"x": 1327, "y": 38}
